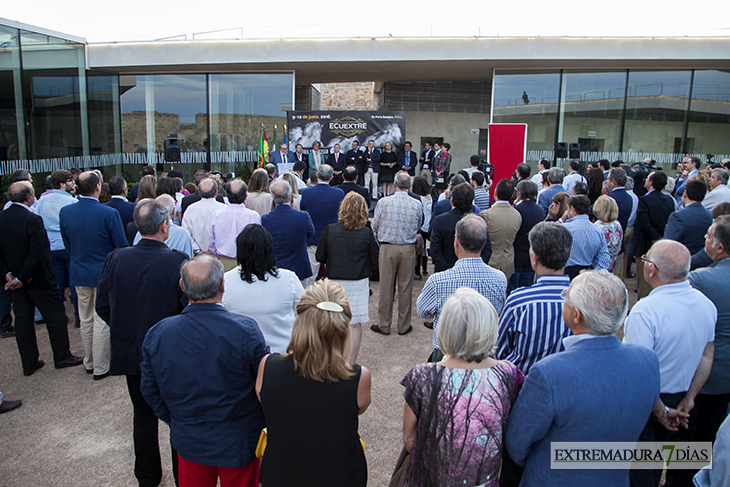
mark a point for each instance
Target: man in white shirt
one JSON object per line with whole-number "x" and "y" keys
{"x": 720, "y": 193}
{"x": 199, "y": 215}
{"x": 543, "y": 166}
{"x": 573, "y": 177}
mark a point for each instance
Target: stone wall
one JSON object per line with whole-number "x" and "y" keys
{"x": 349, "y": 96}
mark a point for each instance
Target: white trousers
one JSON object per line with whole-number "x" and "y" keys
{"x": 94, "y": 332}
{"x": 372, "y": 176}
{"x": 312, "y": 252}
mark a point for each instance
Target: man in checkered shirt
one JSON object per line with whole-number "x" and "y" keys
{"x": 469, "y": 271}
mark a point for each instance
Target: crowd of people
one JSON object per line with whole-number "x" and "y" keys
{"x": 245, "y": 332}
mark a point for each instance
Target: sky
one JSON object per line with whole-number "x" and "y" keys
{"x": 136, "y": 20}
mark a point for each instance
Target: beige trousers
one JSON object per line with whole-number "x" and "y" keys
{"x": 228, "y": 263}
{"x": 94, "y": 332}
{"x": 396, "y": 263}
{"x": 372, "y": 176}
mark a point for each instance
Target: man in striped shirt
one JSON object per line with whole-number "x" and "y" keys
{"x": 589, "y": 243}
{"x": 531, "y": 324}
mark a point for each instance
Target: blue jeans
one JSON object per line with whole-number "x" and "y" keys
{"x": 523, "y": 276}
{"x": 6, "y": 301}
{"x": 61, "y": 263}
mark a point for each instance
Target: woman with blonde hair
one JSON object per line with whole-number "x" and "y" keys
{"x": 558, "y": 207}
{"x": 259, "y": 199}
{"x": 316, "y": 158}
{"x": 351, "y": 268}
{"x": 606, "y": 211}
{"x": 312, "y": 396}
{"x": 291, "y": 178}
{"x": 147, "y": 188}
{"x": 388, "y": 160}
{"x": 456, "y": 409}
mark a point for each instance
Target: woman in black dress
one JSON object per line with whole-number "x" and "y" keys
{"x": 388, "y": 160}
{"x": 311, "y": 397}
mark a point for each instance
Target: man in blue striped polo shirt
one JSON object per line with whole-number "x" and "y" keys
{"x": 531, "y": 324}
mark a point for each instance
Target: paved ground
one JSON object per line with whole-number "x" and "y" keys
{"x": 73, "y": 431}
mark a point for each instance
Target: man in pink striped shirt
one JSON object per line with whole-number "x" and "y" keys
{"x": 228, "y": 222}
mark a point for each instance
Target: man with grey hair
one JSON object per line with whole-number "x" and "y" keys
{"x": 555, "y": 178}
{"x": 179, "y": 238}
{"x": 322, "y": 202}
{"x": 199, "y": 374}
{"x": 396, "y": 223}
{"x": 681, "y": 336}
{"x": 719, "y": 191}
{"x": 531, "y": 324}
{"x": 199, "y": 215}
{"x": 289, "y": 231}
{"x": 596, "y": 372}
{"x": 130, "y": 312}
{"x": 227, "y": 223}
{"x": 468, "y": 271}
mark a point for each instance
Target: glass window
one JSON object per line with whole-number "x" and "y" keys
{"x": 532, "y": 99}
{"x": 12, "y": 127}
{"x": 656, "y": 109}
{"x": 709, "y": 116}
{"x": 55, "y": 96}
{"x": 155, "y": 107}
{"x": 591, "y": 111}
{"x": 239, "y": 105}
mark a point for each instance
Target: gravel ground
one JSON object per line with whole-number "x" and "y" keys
{"x": 73, "y": 431}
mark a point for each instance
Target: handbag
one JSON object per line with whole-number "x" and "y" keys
{"x": 401, "y": 469}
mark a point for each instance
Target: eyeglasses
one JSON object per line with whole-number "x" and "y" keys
{"x": 647, "y": 261}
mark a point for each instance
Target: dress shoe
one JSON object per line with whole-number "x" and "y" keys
{"x": 377, "y": 330}
{"x": 410, "y": 329}
{"x": 77, "y": 323}
{"x": 72, "y": 361}
{"x": 6, "y": 406}
{"x": 428, "y": 324}
{"x": 102, "y": 376}
{"x": 89, "y": 371}
{"x": 630, "y": 275}
{"x": 38, "y": 365}
{"x": 7, "y": 334}
{"x": 40, "y": 322}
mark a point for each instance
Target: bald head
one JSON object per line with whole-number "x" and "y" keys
{"x": 208, "y": 188}
{"x": 280, "y": 192}
{"x": 168, "y": 202}
{"x": 89, "y": 184}
{"x": 671, "y": 261}
{"x": 202, "y": 279}
{"x": 237, "y": 191}
{"x": 21, "y": 192}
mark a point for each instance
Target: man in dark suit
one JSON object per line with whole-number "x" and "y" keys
{"x": 300, "y": 156}
{"x": 407, "y": 159}
{"x": 130, "y": 313}
{"x": 444, "y": 228}
{"x": 651, "y": 220}
{"x": 532, "y": 214}
{"x": 689, "y": 225}
{"x": 354, "y": 157}
{"x": 595, "y": 371}
{"x": 322, "y": 202}
{"x": 427, "y": 161}
{"x": 118, "y": 190}
{"x": 371, "y": 169}
{"x": 290, "y": 230}
{"x": 444, "y": 205}
{"x": 617, "y": 178}
{"x": 90, "y": 231}
{"x": 350, "y": 175}
{"x": 337, "y": 161}
{"x": 282, "y": 156}
{"x": 25, "y": 261}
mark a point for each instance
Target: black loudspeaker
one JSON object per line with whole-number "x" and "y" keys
{"x": 575, "y": 151}
{"x": 172, "y": 150}
{"x": 561, "y": 152}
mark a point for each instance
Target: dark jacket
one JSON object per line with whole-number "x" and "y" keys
{"x": 322, "y": 202}
{"x": 532, "y": 214}
{"x": 374, "y": 160}
{"x": 131, "y": 310}
{"x": 651, "y": 219}
{"x": 413, "y": 161}
{"x": 442, "y": 241}
{"x": 290, "y": 230}
{"x": 125, "y": 209}
{"x": 199, "y": 375}
{"x": 348, "y": 186}
{"x": 688, "y": 226}
{"x": 347, "y": 254}
{"x": 24, "y": 249}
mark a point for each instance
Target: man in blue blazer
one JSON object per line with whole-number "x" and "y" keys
{"x": 281, "y": 156}
{"x": 322, "y": 202}
{"x": 688, "y": 225}
{"x": 407, "y": 159}
{"x": 290, "y": 230}
{"x": 118, "y": 190}
{"x": 598, "y": 389}
{"x": 90, "y": 231}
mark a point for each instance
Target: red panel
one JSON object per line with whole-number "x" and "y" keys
{"x": 507, "y": 145}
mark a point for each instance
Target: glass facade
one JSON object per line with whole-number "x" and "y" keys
{"x": 12, "y": 125}
{"x": 623, "y": 114}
